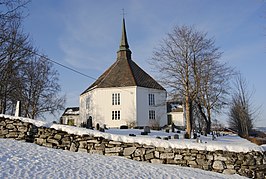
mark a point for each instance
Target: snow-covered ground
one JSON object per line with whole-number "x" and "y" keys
{"x": 27, "y": 160}
{"x": 227, "y": 143}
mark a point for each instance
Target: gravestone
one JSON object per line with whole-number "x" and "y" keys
{"x": 147, "y": 129}
{"x": 213, "y": 137}
{"x": 101, "y": 129}
{"x": 199, "y": 140}
{"x": 176, "y": 136}
{"x": 97, "y": 126}
{"x": 124, "y": 127}
{"x": 144, "y": 133}
{"x": 173, "y": 127}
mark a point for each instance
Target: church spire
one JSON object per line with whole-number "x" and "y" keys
{"x": 124, "y": 51}
{"x": 123, "y": 43}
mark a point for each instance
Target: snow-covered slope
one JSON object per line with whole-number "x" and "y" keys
{"x": 26, "y": 160}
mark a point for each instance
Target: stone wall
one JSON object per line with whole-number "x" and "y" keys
{"x": 251, "y": 164}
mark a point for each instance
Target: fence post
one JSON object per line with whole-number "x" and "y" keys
{"x": 18, "y": 109}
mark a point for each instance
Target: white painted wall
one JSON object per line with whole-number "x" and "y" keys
{"x": 178, "y": 118}
{"x": 101, "y": 107}
{"x": 143, "y": 106}
{"x": 134, "y": 106}
{"x": 66, "y": 118}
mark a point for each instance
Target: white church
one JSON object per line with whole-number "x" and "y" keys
{"x": 123, "y": 95}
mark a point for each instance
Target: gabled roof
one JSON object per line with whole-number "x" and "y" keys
{"x": 71, "y": 111}
{"x": 124, "y": 72}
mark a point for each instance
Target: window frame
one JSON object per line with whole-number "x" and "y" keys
{"x": 116, "y": 115}
{"x": 152, "y": 115}
{"x": 116, "y": 99}
{"x": 151, "y": 97}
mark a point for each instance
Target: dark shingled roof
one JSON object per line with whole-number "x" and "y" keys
{"x": 124, "y": 72}
{"x": 71, "y": 111}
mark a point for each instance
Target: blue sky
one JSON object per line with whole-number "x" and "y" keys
{"x": 85, "y": 35}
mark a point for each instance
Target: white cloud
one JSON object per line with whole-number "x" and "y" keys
{"x": 88, "y": 36}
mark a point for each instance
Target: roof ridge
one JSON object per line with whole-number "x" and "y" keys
{"x": 131, "y": 71}
{"x": 107, "y": 74}
{"x": 154, "y": 84}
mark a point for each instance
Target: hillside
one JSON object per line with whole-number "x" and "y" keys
{"x": 26, "y": 160}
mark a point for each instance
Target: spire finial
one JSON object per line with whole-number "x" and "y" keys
{"x": 123, "y": 13}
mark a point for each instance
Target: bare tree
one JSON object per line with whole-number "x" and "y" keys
{"x": 15, "y": 50}
{"x": 24, "y": 75}
{"x": 11, "y": 55}
{"x": 213, "y": 90}
{"x": 179, "y": 60}
{"x": 40, "y": 89}
{"x": 241, "y": 113}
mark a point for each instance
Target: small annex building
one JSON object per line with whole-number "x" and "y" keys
{"x": 70, "y": 116}
{"x": 124, "y": 95}
{"x": 175, "y": 114}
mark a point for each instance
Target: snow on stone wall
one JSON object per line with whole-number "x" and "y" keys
{"x": 250, "y": 164}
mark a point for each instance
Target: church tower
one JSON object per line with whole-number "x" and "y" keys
{"x": 124, "y": 94}
{"x": 124, "y": 51}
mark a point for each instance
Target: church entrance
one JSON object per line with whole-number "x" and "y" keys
{"x": 89, "y": 123}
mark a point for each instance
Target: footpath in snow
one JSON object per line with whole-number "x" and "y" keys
{"x": 26, "y": 160}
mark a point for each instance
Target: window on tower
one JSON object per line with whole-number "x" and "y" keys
{"x": 151, "y": 114}
{"x": 151, "y": 100}
{"x": 115, "y": 115}
{"x": 116, "y": 99}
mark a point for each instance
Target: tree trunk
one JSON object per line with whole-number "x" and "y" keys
{"x": 208, "y": 127}
{"x": 188, "y": 117}
{"x": 208, "y": 121}
{"x": 4, "y": 103}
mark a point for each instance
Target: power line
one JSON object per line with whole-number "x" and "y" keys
{"x": 53, "y": 61}
{"x": 49, "y": 59}
{"x": 42, "y": 56}
{"x": 64, "y": 66}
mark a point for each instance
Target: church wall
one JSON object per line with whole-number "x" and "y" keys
{"x": 82, "y": 108}
{"x": 143, "y": 106}
{"x": 134, "y": 106}
{"x": 100, "y": 108}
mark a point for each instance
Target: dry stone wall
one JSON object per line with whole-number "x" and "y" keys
{"x": 251, "y": 164}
